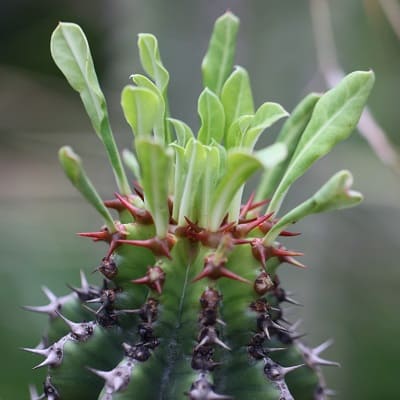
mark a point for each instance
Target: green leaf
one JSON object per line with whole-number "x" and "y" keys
{"x": 71, "y": 53}
{"x": 212, "y": 117}
{"x": 131, "y": 162}
{"x": 195, "y": 157}
{"x": 160, "y": 130}
{"x": 218, "y": 61}
{"x": 208, "y": 183}
{"x": 239, "y": 167}
{"x": 335, "y": 194}
{"x": 237, "y": 130}
{"x": 72, "y": 166}
{"x": 182, "y": 131}
{"x": 141, "y": 109}
{"x": 290, "y": 136}
{"x": 179, "y": 178}
{"x": 151, "y": 61}
{"x": 155, "y": 164}
{"x": 335, "y": 116}
{"x": 266, "y": 115}
{"x": 236, "y": 96}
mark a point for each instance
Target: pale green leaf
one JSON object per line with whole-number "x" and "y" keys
{"x": 208, "y": 183}
{"x": 71, "y": 53}
{"x": 334, "y": 195}
{"x": 131, "y": 162}
{"x": 212, "y": 117}
{"x": 290, "y": 136}
{"x": 182, "y": 131}
{"x": 195, "y": 157}
{"x": 218, "y": 61}
{"x": 237, "y": 130}
{"x": 266, "y": 115}
{"x": 236, "y": 96}
{"x": 239, "y": 167}
{"x": 141, "y": 109}
{"x": 73, "y": 168}
{"x": 334, "y": 117}
{"x": 151, "y": 61}
{"x": 155, "y": 164}
{"x": 160, "y": 129}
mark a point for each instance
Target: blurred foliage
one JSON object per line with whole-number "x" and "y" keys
{"x": 351, "y": 291}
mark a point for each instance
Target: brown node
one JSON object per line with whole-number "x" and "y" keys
{"x": 263, "y": 283}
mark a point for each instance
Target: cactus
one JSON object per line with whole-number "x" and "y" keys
{"x": 191, "y": 304}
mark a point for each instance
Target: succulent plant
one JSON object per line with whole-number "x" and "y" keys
{"x": 190, "y": 304}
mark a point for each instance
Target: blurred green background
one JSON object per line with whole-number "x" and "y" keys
{"x": 351, "y": 290}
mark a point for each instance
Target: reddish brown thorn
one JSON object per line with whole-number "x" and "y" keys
{"x": 241, "y": 230}
{"x": 216, "y": 271}
{"x": 160, "y": 247}
{"x": 251, "y": 206}
{"x": 267, "y": 225}
{"x": 292, "y": 261}
{"x": 154, "y": 279}
{"x": 140, "y": 214}
{"x": 259, "y": 251}
{"x": 103, "y": 235}
{"x": 244, "y": 209}
{"x": 282, "y": 252}
{"x": 138, "y": 189}
{"x": 115, "y": 204}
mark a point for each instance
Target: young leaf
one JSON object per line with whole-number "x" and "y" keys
{"x": 290, "y": 136}
{"x": 335, "y": 194}
{"x": 218, "y": 61}
{"x": 131, "y": 162}
{"x": 71, "y": 53}
{"x": 237, "y": 130}
{"x": 179, "y": 178}
{"x": 195, "y": 157}
{"x": 334, "y": 117}
{"x": 208, "y": 184}
{"x": 212, "y": 117}
{"x": 155, "y": 164}
{"x": 141, "y": 109}
{"x": 160, "y": 122}
{"x": 236, "y": 96}
{"x": 151, "y": 61}
{"x": 72, "y": 166}
{"x": 182, "y": 131}
{"x": 266, "y": 115}
{"x": 240, "y": 166}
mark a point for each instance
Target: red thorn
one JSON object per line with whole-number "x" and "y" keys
{"x": 246, "y": 207}
{"x": 243, "y": 229}
{"x": 103, "y": 235}
{"x": 141, "y": 215}
{"x": 138, "y": 189}
{"x": 259, "y": 251}
{"x": 282, "y": 252}
{"x": 267, "y": 225}
{"x": 293, "y": 261}
{"x": 154, "y": 279}
{"x": 160, "y": 247}
{"x": 215, "y": 272}
{"x": 288, "y": 233}
{"x": 115, "y": 204}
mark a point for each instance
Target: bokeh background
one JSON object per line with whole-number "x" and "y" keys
{"x": 351, "y": 290}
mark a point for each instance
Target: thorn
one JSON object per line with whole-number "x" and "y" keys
{"x": 103, "y": 235}
{"x": 217, "y": 270}
{"x": 141, "y": 215}
{"x": 286, "y": 370}
{"x": 41, "y": 352}
{"x": 293, "y": 261}
{"x": 33, "y": 394}
{"x": 203, "y": 390}
{"x": 117, "y": 379}
{"x": 323, "y": 346}
{"x": 138, "y": 189}
{"x": 209, "y": 335}
{"x": 49, "y": 294}
{"x": 80, "y": 331}
{"x": 282, "y": 252}
{"x": 154, "y": 279}
{"x": 160, "y": 247}
{"x": 50, "y": 391}
{"x": 243, "y": 229}
{"x": 251, "y": 206}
